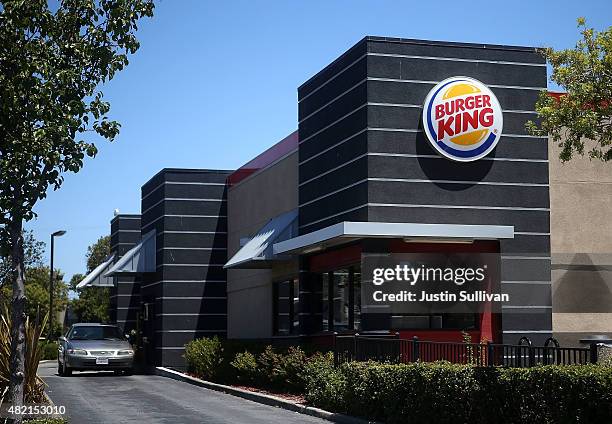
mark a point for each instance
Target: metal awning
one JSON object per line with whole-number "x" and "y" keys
{"x": 347, "y": 231}
{"x": 257, "y": 252}
{"x": 97, "y": 277}
{"x": 139, "y": 259}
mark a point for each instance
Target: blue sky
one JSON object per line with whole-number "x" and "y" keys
{"x": 215, "y": 83}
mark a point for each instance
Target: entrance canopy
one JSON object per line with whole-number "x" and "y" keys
{"x": 139, "y": 259}
{"x": 257, "y": 252}
{"x": 97, "y": 277}
{"x": 347, "y": 231}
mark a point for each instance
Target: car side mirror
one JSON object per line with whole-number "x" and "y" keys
{"x": 62, "y": 339}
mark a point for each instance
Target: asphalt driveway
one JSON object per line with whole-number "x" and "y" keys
{"x": 92, "y": 398}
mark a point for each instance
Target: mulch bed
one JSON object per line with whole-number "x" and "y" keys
{"x": 299, "y": 399}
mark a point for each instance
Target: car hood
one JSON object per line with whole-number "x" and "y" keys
{"x": 99, "y": 344}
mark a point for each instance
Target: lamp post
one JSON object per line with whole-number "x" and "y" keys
{"x": 51, "y": 281}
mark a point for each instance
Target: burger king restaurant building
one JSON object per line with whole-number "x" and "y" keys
{"x": 402, "y": 146}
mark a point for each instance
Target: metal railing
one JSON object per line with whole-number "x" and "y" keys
{"x": 392, "y": 349}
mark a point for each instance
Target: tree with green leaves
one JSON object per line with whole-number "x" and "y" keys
{"x": 53, "y": 60}
{"x": 33, "y": 251}
{"x": 97, "y": 253}
{"x": 581, "y": 118}
{"x": 37, "y": 294}
{"x": 93, "y": 303}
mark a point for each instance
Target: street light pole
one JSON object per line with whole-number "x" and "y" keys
{"x": 51, "y": 282}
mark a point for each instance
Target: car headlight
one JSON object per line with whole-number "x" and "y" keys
{"x": 125, "y": 352}
{"x": 78, "y": 352}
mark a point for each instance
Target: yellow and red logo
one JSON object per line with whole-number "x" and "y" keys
{"x": 462, "y": 119}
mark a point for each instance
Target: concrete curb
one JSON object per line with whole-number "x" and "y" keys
{"x": 261, "y": 398}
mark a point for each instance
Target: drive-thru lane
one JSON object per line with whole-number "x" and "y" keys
{"x": 92, "y": 398}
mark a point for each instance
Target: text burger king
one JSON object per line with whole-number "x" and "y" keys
{"x": 462, "y": 119}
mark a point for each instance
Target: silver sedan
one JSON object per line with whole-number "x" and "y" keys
{"x": 94, "y": 347}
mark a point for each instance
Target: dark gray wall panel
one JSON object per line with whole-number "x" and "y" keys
{"x": 193, "y": 272}
{"x": 201, "y": 223}
{"x": 153, "y": 197}
{"x": 336, "y": 132}
{"x": 333, "y": 111}
{"x": 203, "y": 306}
{"x": 194, "y": 240}
{"x": 195, "y": 288}
{"x": 191, "y": 223}
{"x": 416, "y": 143}
{"x": 191, "y": 322}
{"x": 531, "y": 221}
{"x": 351, "y": 77}
{"x": 181, "y": 256}
{"x": 196, "y": 175}
{"x": 340, "y": 178}
{"x": 335, "y": 157}
{"x": 438, "y": 168}
{"x": 182, "y": 338}
{"x": 446, "y": 49}
{"x": 525, "y": 269}
{"x": 528, "y": 294}
{"x": 195, "y": 207}
{"x": 150, "y": 215}
{"x": 527, "y": 319}
{"x": 126, "y": 222}
{"x": 533, "y": 245}
{"x": 437, "y": 70}
{"x": 339, "y": 202}
{"x": 390, "y": 192}
{"x": 195, "y": 191}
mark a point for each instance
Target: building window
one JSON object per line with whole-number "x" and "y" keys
{"x": 286, "y": 307}
{"x": 342, "y": 291}
{"x": 341, "y": 294}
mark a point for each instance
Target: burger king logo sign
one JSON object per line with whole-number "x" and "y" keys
{"x": 462, "y": 118}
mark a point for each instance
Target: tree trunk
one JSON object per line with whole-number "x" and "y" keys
{"x": 17, "y": 364}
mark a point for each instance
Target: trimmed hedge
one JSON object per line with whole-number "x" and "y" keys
{"x": 449, "y": 393}
{"x": 414, "y": 393}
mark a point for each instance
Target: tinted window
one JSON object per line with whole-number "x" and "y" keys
{"x": 95, "y": 332}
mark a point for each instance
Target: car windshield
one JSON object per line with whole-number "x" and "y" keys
{"x": 95, "y": 332}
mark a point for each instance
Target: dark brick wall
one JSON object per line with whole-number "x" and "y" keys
{"x": 125, "y": 295}
{"x": 187, "y": 293}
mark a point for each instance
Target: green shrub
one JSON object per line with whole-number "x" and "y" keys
{"x": 245, "y": 368}
{"x": 251, "y": 363}
{"x": 291, "y": 370}
{"x": 205, "y": 357}
{"x": 325, "y": 384}
{"x": 49, "y": 350}
{"x": 445, "y": 393}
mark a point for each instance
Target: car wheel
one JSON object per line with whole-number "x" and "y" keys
{"x": 63, "y": 369}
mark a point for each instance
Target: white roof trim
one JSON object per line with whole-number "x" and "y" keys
{"x": 347, "y": 231}
{"x": 139, "y": 259}
{"x": 96, "y": 277}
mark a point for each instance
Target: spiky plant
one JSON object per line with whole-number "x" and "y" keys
{"x": 34, "y": 386}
